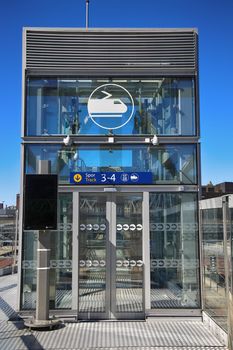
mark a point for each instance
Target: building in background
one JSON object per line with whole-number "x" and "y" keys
{"x": 211, "y": 191}
{"x": 115, "y": 114}
{"x": 8, "y": 238}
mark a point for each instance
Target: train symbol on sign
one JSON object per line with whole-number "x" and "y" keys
{"x": 106, "y": 107}
{"x": 110, "y": 106}
{"x": 134, "y": 177}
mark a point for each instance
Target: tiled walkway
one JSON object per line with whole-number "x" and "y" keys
{"x": 107, "y": 335}
{"x": 111, "y": 335}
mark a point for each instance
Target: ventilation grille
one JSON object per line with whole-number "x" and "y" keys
{"x": 123, "y": 51}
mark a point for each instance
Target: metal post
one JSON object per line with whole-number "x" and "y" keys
{"x": 16, "y": 240}
{"x": 43, "y": 267}
{"x": 227, "y": 262}
{"x": 146, "y": 249}
{"x": 87, "y": 14}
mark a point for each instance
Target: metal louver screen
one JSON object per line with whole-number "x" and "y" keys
{"x": 107, "y": 50}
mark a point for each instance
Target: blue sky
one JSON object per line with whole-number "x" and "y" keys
{"x": 213, "y": 18}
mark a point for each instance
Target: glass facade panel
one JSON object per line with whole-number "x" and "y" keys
{"x": 169, "y": 164}
{"x": 230, "y": 259}
{"x": 60, "y": 261}
{"x": 174, "y": 250}
{"x": 215, "y": 299}
{"x": 28, "y": 274}
{"x": 162, "y": 106}
{"x": 217, "y": 228}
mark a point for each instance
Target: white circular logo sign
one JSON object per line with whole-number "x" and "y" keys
{"x": 110, "y": 106}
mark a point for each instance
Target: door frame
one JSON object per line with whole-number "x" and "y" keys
{"x": 110, "y": 273}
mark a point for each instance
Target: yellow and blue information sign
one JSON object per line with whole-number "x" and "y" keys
{"x": 111, "y": 178}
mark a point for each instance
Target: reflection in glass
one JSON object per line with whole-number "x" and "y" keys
{"x": 92, "y": 253}
{"x": 170, "y": 164}
{"x": 215, "y": 299}
{"x": 162, "y": 106}
{"x": 29, "y": 264}
{"x": 174, "y": 250}
{"x": 61, "y": 255}
{"x": 129, "y": 266}
{"x": 60, "y": 260}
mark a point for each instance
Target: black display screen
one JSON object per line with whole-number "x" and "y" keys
{"x": 40, "y": 202}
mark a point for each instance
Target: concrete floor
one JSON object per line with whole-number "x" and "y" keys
{"x": 105, "y": 335}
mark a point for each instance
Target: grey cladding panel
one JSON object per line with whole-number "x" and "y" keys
{"x": 122, "y": 51}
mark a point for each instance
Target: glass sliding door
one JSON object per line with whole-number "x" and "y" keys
{"x": 92, "y": 254}
{"x": 129, "y": 264}
{"x": 110, "y": 256}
